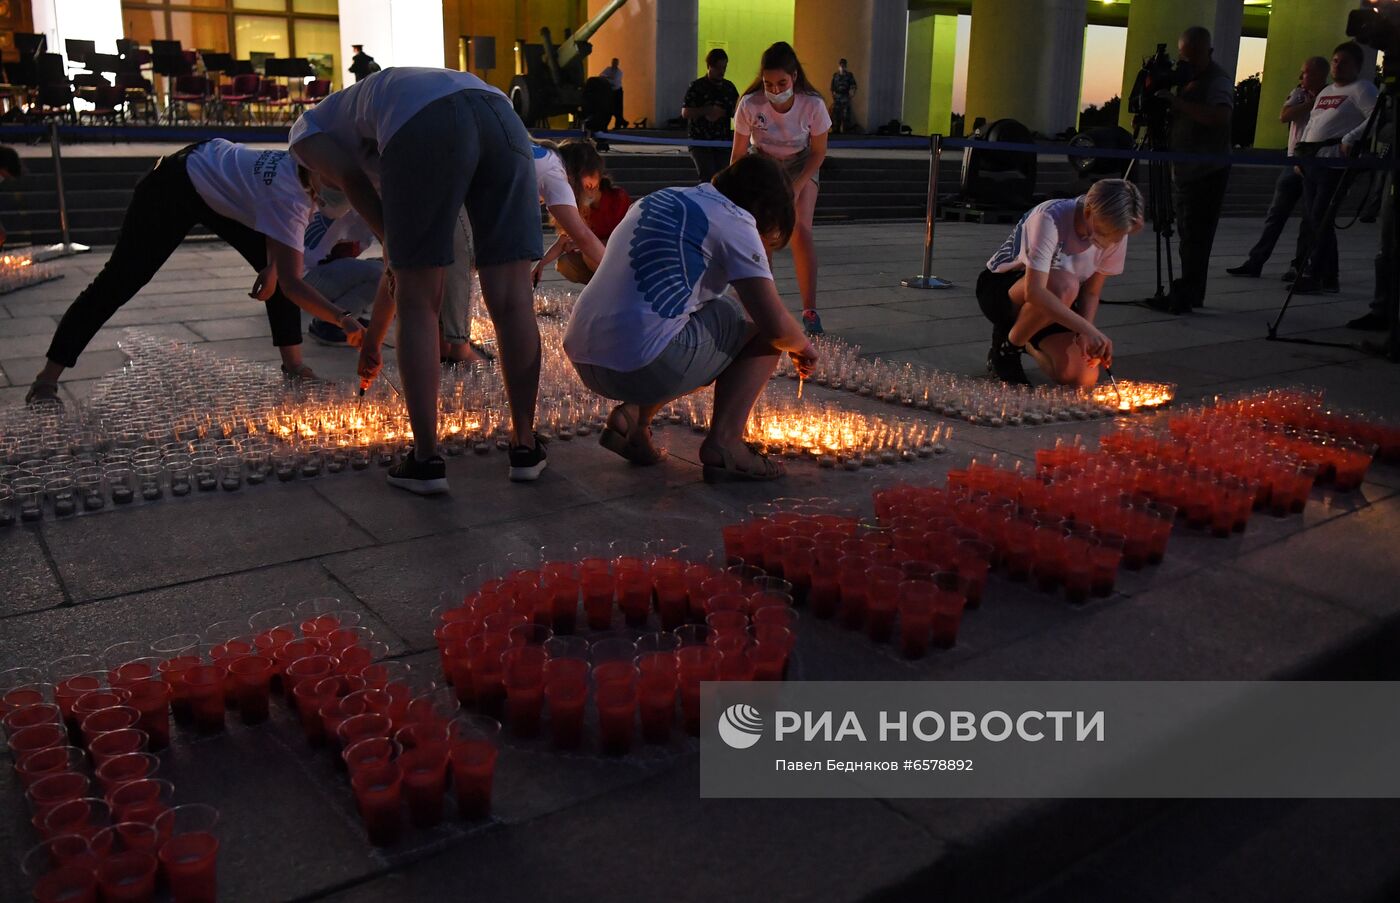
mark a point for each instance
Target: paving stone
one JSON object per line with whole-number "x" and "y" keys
{"x": 176, "y": 540}
{"x": 31, "y": 583}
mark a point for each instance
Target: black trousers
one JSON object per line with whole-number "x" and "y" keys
{"x": 1197, "y": 205}
{"x": 1320, "y": 183}
{"x": 1288, "y": 190}
{"x": 709, "y": 160}
{"x": 163, "y": 210}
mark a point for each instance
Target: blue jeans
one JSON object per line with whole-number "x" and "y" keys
{"x": 1287, "y": 192}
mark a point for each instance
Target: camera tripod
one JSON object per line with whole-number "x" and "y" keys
{"x": 1159, "y": 200}
{"x": 1386, "y": 105}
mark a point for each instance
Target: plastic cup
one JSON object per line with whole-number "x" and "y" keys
{"x": 151, "y": 700}
{"x": 523, "y": 677}
{"x": 113, "y": 718}
{"x": 947, "y": 616}
{"x": 143, "y": 801}
{"x": 484, "y": 665}
{"x": 121, "y": 769}
{"x": 111, "y": 744}
{"x": 127, "y": 864}
{"x": 41, "y": 763}
{"x": 63, "y": 870}
{"x": 423, "y": 764}
{"x": 31, "y": 714}
{"x": 52, "y": 791}
{"x": 916, "y": 601}
{"x": 36, "y": 737}
{"x": 1106, "y": 555}
{"x": 204, "y": 685}
{"x": 473, "y": 749}
{"x": 129, "y": 673}
{"x": 368, "y": 753}
{"x": 617, "y": 713}
{"x": 379, "y": 794}
{"x": 189, "y": 855}
{"x": 598, "y": 593}
{"x": 313, "y": 668}
{"x": 566, "y": 695}
{"x": 251, "y": 676}
{"x": 84, "y": 816}
{"x": 693, "y": 665}
{"x": 173, "y": 671}
{"x": 19, "y": 696}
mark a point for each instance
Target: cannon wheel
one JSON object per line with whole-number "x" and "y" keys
{"x": 521, "y": 100}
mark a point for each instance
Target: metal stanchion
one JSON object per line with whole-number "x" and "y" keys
{"x": 68, "y": 247}
{"x": 927, "y": 279}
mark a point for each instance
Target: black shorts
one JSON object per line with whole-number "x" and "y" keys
{"x": 994, "y": 297}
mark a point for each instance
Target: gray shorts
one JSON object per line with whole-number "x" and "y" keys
{"x": 711, "y": 340}
{"x": 470, "y": 149}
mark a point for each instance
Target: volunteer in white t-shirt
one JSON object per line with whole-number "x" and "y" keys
{"x": 1335, "y": 127}
{"x": 570, "y": 175}
{"x": 410, "y": 147}
{"x": 259, "y": 201}
{"x": 655, "y": 324}
{"x": 783, "y": 117}
{"x": 1041, "y": 288}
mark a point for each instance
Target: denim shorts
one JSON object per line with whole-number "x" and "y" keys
{"x": 470, "y": 149}
{"x": 710, "y": 341}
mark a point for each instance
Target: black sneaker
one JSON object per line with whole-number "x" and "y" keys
{"x": 1369, "y": 322}
{"x": 1306, "y": 285}
{"x": 1244, "y": 269}
{"x": 1004, "y": 360}
{"x": 1291, "y": 275}
{"x": 420, "y": 477}
{"x": 526, "y": 464}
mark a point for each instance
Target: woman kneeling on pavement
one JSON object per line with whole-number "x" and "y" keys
{"x": 655, "y": 322}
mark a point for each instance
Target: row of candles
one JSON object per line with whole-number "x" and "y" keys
{"x": 656, "y": 621}
{"x": 901, "y": 583}
{"x": 82, "y": 739}
{"x": 974, "y": 399}
{"x": 19, "y": 271}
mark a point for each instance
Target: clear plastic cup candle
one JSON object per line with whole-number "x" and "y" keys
{"x": 473, "y": 744}
{"x": 189, "y": 854}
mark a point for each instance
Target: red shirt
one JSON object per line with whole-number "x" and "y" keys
{"x": 611, "y": 208}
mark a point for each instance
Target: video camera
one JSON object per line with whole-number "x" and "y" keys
{"x": 1158, "y": 72}
{"x": 1377, "y": 25}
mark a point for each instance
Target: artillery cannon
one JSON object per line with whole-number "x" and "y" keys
{"x": 555, "y": 82}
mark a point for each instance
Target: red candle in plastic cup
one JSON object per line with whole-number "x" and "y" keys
{"x": 693, "y": 665}
{"x": 1079, "y": 570}
{"x": 63, "y": 869}
{"x": 368, "y": 753}
{"x": 473, "y": 752}
{"x": 151, "y": 699}
{"x": 881, "y": 602}
{"x": 598, "y": 591}
{"x": 947, "y": 616}
{"x": 111, "y": 744}
{"x": 52, "y": 791}
{"x": 85, "y": 816}
{"x": 656, "y": 700}
{"x": 66, "y": 693}
{"x": 174, "y": 670}
{"x": 143, "y": 801}
{"x": 127, "y": 877}
{"x": 128, "y": 673}
{"x": 916, "y": 598}
{"x": 634, "y": 596}
{"x": 484, "y": 662}
{"x": 566, "y": 694}
{"x": 114, "y": 718}
{"x": 313, "y": 668}
{"x": 523, "y": 677}
{"x": 41, "y": 763}
{"x": 617, "y": 714}
{"x": 671, "y": 600}
{"x": 251, "y": 676}
{"x": 1106, "y": 554}
{"x": 379, "y": 793}
{"x": 36, "y": 737}
{"x": 855, "y": 590}
{"x": 121, "y": 769}
{"x": 19, "y": 697}
{"x": 189, "y": 856}
{"x": 424, "y": 768}
{"x": 204, "y": 685}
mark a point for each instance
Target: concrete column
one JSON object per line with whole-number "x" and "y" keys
{"x": 1225, "y": 36}
{"x": 394, "y": 32}
{"x": 99, "y": 21}
{"x": 655, "y": 43}
{"x": 1153, "y": 22}
{"x": 1298, "y": 29}
{"x": 928, "y": 71}
{"x": 870, "y": 35}
{"x": 1025, "y": 61}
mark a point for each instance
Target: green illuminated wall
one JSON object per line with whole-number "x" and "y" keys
{"x": 744, "y": 28}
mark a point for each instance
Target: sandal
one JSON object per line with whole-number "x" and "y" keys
{"x": 43, "y": 392}
{"x": 302, "y": 372}
{"x": 729, "y": 469}
{"x": 617, "y": 442}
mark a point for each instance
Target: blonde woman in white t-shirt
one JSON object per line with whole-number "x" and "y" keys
{"x": 783, "y": 117}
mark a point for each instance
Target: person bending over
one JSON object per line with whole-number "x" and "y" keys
{"x": 259, "y": 201}
{"x": 410, "y": 147}
{"x": 571, "y": 178}
{"x": 656, "y": 322}
{"x": 1041, "y": 287}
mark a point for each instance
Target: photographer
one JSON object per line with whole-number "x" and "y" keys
{"x": 1336, "y": 125}
{"x": 1201, "y": 113}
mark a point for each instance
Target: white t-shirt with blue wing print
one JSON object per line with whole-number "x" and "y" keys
{"x": 675, "y": 250}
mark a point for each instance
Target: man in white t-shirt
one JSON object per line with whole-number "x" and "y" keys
{"x": 655, "y": 324}
{"x": 410, "y": 147}
{"x": 1334, "y": 129}
{"x": 613, "y": 73}
{"x": 258, "y": 201}
{"x": 1041, "y": 288}
{"x": 1288, "y": 189}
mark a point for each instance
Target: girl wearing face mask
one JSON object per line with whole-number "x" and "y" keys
{"x": 1041, "y": 288}
{"x": 783, "y": 117}
{"x": 259, "y": 201}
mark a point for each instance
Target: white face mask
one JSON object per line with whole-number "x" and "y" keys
{"x": 779, "y": 98}
{"x": 332, "y": 202}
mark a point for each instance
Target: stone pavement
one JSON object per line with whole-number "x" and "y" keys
{"x": 1303, "y": 596}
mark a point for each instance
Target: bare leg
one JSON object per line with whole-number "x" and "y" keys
{"x": 459, "y": 353}
{"x": 510, "y": 301}
{"x": 804, "y": 253}
{"x": 291, "y": 356}
{"x": 1064, "y": 361}
{"x": 420, "y": 299}
{"x": 736, "y": 392}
